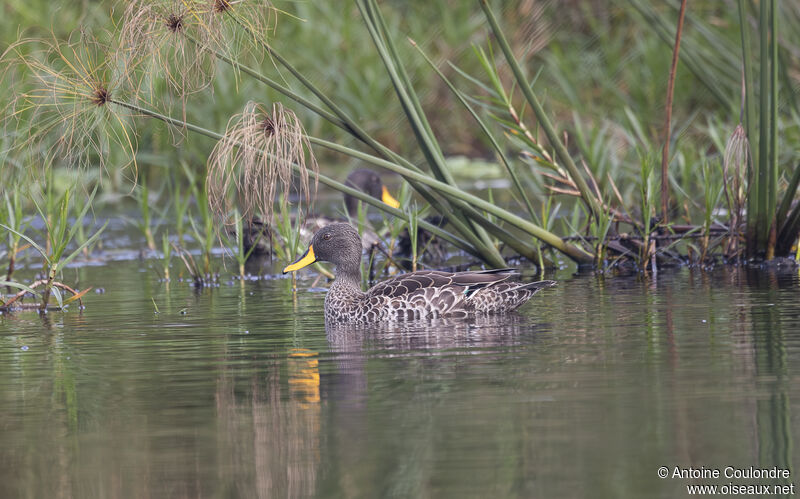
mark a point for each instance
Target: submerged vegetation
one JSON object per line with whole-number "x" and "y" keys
{"x": 570, "y": 112}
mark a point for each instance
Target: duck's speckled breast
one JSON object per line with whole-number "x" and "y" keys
{"x": 422, "y": 303}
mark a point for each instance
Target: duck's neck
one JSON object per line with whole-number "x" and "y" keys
{"x": 348, "y": 279}
{"x": 351, "y": 204}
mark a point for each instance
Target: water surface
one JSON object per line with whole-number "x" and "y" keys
{"x": 241, "y": 391}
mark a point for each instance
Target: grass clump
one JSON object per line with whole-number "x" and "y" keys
{"x": 259, "y": 150}
{"x": 59, "y": 234}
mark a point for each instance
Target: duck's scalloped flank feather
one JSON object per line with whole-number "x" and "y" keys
{"x": 434, "y": 294}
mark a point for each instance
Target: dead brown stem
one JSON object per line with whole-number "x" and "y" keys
{"x": 668, "y": 120}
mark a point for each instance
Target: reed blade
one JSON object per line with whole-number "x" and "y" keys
{"x": 541, "y": 116}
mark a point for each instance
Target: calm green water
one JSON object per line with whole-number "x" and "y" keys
{"x": 240, "y": 391}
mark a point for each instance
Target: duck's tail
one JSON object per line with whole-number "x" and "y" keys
{"x": 536, "y": 286}
{"x": 506, "y": 296}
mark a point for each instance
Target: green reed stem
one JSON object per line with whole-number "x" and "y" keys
{"x": 772, "y": 199}
{"x": 485, "y": 129}
{"x": 534, "y": 230}
{"x": 762, "y": 177}
{"x": 437, "y": 231}
{"x": 416, "y": 115}
{"x": 749, "y": 121}
{"x": 541, "y": 116}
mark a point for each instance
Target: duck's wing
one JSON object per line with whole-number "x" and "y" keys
{"x": 465, "y": 282}
{"x": 432, "y": 293}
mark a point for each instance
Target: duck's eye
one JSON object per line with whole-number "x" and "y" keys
{"x": 326, "y": 236}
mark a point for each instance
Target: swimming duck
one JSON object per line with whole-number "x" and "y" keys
{"x": 426, "y": 293}
{"x": 364, "y": 180}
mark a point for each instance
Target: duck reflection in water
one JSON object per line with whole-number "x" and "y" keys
{"x": 351, "y": 345}
{"x": 353, "y": 400}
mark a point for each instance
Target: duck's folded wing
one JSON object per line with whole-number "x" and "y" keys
{"x": 461, "y": 282}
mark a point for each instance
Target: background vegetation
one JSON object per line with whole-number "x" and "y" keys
{"x": 599, "y": 70}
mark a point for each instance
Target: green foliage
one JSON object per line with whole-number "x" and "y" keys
{"x": 564, "y": 118}
{"x": 59, "y": 234}
{"x": 712, "y": 187}
{"x": 11, "y": 215}
{"x": 144, "y": 222}
{"x": 242, "y": 252}
{"x": 203, "y": 230}
{"x": 166, "y": 254}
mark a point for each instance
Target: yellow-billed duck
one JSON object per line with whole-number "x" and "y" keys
{"x": 415, "y": 295}
{"x": 257, "y": 233}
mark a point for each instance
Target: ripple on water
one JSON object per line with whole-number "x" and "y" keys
{"x": 242, "y": 388}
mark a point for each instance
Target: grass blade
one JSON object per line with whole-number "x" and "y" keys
{"x": 538, "y": 110}
{"x": 85, "y": 244}
{"x": 484, "y": 128}
{"x": 30, "y": 241}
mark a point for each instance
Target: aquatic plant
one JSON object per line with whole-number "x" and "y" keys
{"x": 242, "y": 252}
{"x": 174, "y": 41}
{"x": 265, "y": 146}
{"x": 204, "y": 231}
{"x": 59, "y": 234}
{"x": 166, "y": 254}
{"x": 259, "y": 149}
{"x": 716, "y": 63}
{"x": 11, "y": 216}
{"x": 712, "y": 192}
{"x": 180, "y": 201}
{"x": 196, "y": 274}
{"x": 144, "y": 222}
{"x": 65, "y": 117}
{"x": 735, "y": 167}
{"x": 413, "y": 233}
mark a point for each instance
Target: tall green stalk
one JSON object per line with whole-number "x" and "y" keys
{"x": 541, "y": 116}
{"x": 763, "y": 212}
{"x": 749, "y": 125}
{"x": 416, "y": 117}
{"x": 762, "y": 177}
{"x": 773, "y": 132}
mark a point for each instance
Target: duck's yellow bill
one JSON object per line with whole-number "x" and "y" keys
{"x": 304, "y": 261}
{"x": 388, "y": 199}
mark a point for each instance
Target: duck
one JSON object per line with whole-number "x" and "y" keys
{"x": 365, "y": 180}
{"x": 415, "y": 295}
{"x": 431, "y": 249}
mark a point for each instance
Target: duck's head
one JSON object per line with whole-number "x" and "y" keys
{"x": 338, "y": 244}
{"x": 369, "y": 182}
